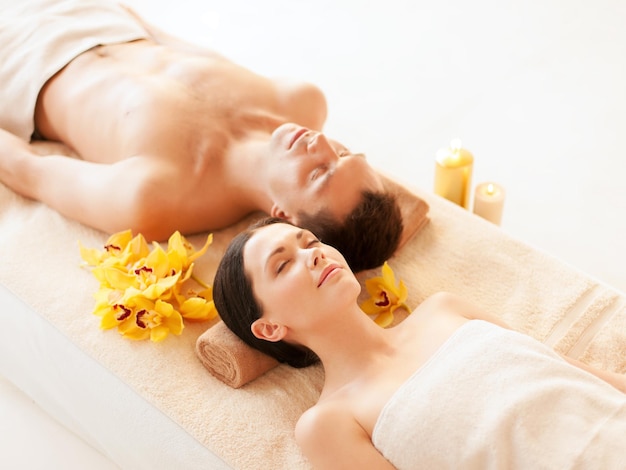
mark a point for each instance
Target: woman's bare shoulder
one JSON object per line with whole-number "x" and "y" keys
{"x": 453, "y": 307}
{"x": 330, "y": 437}
{"x": 323, "y": 416}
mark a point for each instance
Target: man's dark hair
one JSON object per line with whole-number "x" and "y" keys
{"x": 367, "y": 237}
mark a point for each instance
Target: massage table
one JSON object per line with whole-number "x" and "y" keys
{"x": 156, "y": 406}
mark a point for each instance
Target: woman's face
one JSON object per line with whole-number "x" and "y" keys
{"x": 296, "y": 278}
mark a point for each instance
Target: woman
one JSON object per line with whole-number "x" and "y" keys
{"x": 451, "y": 386}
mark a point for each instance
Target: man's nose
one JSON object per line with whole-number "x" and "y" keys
{"x": 320, "y": 147}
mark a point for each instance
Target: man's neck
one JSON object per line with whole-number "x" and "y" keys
{"x": 245, "y": 167}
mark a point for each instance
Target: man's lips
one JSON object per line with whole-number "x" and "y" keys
{"x": 328, "y": 270}
{"x": 299, "y": 133}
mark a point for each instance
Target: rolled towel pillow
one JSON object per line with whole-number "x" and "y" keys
{"x": 413, "y": 208}
{"x": 229, "y": 359}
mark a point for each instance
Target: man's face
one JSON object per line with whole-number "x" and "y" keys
{"x": 310, "y": 172}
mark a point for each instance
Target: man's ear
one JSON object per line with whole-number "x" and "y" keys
{"x": 281, "y": 214}
{"x": 267, "y": 330}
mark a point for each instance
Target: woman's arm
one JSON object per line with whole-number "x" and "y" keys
{"x": 458, "y": 306}
{"x": 331, "y": 438}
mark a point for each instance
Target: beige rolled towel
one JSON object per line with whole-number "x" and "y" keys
{"x": 229, "y": 359}
{"x": 413, "y": 208}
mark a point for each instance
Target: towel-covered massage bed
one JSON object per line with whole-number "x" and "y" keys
{"x": 155, "y": 405}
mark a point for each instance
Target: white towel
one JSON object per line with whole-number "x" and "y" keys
{"x": 494, "y": 398}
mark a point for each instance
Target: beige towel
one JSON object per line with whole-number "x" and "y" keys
{"x": 230, "y": 359}
{"x": 414, "y": 209}
{"x": 455, "y": 251}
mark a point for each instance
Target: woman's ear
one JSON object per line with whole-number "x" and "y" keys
{"x": 267, "y": 330}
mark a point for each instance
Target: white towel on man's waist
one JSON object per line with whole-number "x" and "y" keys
{"x": 494, "y": 398}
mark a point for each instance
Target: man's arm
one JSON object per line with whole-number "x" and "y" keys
{"x": 109, "y": 197}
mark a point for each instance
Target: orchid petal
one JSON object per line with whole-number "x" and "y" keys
{"x": 384, "y": 319}
{"x": 385, "y": 296}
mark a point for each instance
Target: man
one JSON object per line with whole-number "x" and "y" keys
{"x": 171, "y": 136}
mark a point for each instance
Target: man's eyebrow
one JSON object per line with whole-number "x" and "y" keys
{"x": 281, "y": 249}
{"x": 326, "y": 179}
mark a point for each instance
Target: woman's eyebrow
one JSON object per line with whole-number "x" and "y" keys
{"x": 280, "y": 249}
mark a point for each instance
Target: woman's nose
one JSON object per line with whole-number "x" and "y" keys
{"x": 314, "y": 256}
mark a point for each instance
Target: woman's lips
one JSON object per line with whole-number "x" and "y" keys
{"x": 328, "y": 270}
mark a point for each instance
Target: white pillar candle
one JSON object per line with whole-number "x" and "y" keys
{"x": 489, "y": 202}
{"x": 453, "y": 173}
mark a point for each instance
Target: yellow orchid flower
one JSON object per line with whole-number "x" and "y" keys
{"x": 154, "y": 320}
{"x": 141, "y": 288}
{"x": 114, "y": 277}
{"x": 385, "y": 296}
{"x": 118, "y": 249}
{"x": 158, "y": 261}
{"x": 197, "y": 309}
{"x": 106, "y": 299}
{"x": 137, "y": 248}
{"x": 181, "y": 253}
{"x": 177, "y": 243}
{"x": 113, "y": 315}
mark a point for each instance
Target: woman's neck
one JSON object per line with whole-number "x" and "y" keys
{"x": 350, "y": 348}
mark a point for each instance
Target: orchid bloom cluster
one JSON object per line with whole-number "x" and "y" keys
{"x": 385, "y": 296}
{"x": 141, "y": 289}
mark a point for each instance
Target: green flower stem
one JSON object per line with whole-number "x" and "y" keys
{"x": 199, "y": 281}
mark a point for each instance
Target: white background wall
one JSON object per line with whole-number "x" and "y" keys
{"x": 535, "y": 89}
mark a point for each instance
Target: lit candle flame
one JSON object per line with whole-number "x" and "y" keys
{"x": 490, "y": 189}
{"x": 456, "y": 145}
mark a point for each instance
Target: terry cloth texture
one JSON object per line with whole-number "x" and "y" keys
{"x": 230, "y": 359}
{"x": 40, "y": 37}
{"x": 252, "y": 426}
{"x": 494, "y": 398}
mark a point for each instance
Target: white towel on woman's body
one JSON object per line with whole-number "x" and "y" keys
{"x": 495, "y": 398}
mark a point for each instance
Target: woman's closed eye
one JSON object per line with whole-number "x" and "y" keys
{"x": 280, "y": 267}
